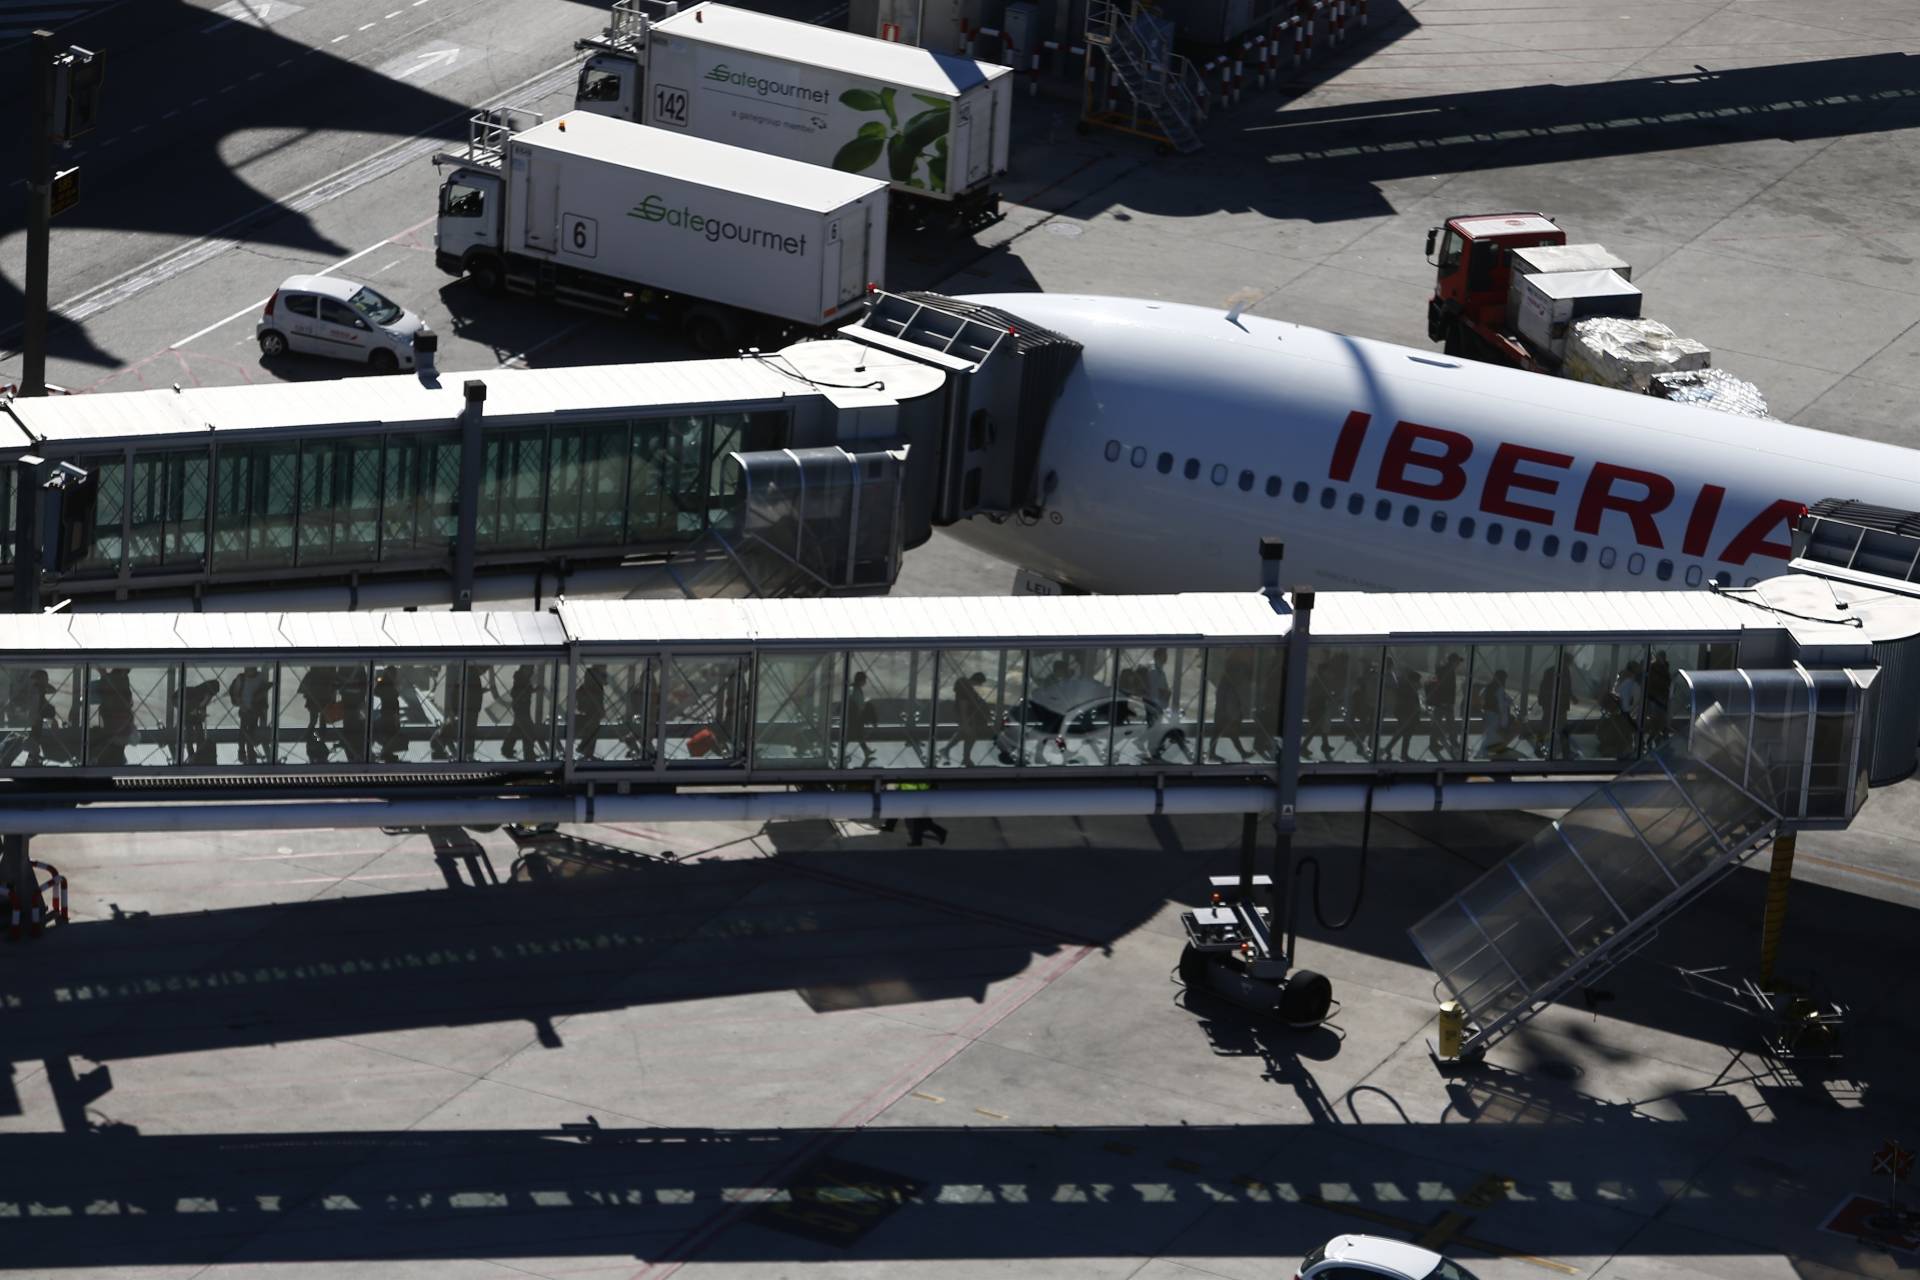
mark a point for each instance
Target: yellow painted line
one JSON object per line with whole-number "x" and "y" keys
{"x": 930, "y": 1097}
{"x": 1500, "y": 1251}
{"x": 1442, "y": 1231}
{"x": 994, "y": 1115}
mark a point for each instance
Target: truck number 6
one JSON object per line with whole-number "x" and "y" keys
{"x": 670, "y": 106}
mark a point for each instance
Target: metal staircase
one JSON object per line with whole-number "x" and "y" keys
{"x": 1137, "y": 45}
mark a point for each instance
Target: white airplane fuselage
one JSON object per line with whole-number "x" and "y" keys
{"x": 1182, "y": 437}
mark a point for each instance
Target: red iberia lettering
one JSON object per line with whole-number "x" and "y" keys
{"x": 1706, "y": 511}
{"x": 1346, "y": 450}
{"x": 1599, "y": 496}
{"x": 1755, "y": 539}
{"x": 1403, "y": 454}
{"x": 1504, "y": 476}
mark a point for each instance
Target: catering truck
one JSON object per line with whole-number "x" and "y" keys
{"x": 616, "y": 217}
{"x": 936, "y": 127}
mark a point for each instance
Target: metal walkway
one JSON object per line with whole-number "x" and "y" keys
{"x": 1596, "y": 886}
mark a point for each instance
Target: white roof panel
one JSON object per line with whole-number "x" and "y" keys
{"x": 713, "y": 165}
{"x": 404, "y": 399}
{"x": 810, "y": 44}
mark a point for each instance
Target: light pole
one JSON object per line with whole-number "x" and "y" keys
{"x": 65, "y": 98}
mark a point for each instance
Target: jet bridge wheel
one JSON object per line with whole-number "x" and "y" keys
{"x": 1306, "y": 1000}
{"x": 1193, "y": 968}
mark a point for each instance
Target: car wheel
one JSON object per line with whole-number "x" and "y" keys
{"x": 273, "y": 344}
{"x": 381, "y": 360}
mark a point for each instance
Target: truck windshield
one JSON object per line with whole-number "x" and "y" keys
{"x": 374, "y": 307}
{"x": 1450, "y": 250}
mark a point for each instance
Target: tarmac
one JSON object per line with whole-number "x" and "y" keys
{"x": 809, "y": 1049}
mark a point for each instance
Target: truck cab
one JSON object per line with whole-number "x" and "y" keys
{"x": 610, "y": 85}
{"x": 1473, "y": 274}
{"x": 466, "y": 236}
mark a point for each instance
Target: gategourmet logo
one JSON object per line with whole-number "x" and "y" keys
{"x": 655, "y": 209}
{"x": 764, "y": 87}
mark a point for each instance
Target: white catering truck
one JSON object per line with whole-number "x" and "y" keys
{"x": 934, "y": 126}
{"x": 631, "y": 220}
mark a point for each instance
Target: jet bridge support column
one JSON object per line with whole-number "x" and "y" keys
{"x": 1779, "y": 877}
{"x": 467, "y": 535}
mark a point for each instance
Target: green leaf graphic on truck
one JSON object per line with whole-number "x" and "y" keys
{"x": 917, "y": 148}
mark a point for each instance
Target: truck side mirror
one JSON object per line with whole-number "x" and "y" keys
{"x": 1433, "y": 234}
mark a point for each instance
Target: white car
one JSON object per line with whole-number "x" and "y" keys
{"x": 1376, "y": 1258}
{"x": 328, "y": 316}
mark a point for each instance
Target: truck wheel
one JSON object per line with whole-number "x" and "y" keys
{"x": 1193, "y": 968}
{"x": 485, "y": 274}
{"x": 380, "y": 360}
{"x": 710, "y": 332}
{"x": 273, "y": 344}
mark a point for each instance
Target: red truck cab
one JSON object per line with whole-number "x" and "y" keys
{"x": 1472, "y": 274}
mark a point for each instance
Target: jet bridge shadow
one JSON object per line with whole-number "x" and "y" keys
{"x": 1327, "y": 163}
{"x": 180, "y": 92}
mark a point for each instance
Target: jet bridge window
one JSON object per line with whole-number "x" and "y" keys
{"x": 169, "y": 508}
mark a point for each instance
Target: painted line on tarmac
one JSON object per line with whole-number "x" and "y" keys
{"x": 167, "y": 266}
{"x": 252, "y": 307}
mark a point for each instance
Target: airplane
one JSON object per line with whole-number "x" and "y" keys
{"x": 1185, "y": 434}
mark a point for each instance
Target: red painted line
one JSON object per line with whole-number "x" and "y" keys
{"x": 864, "y": 1111}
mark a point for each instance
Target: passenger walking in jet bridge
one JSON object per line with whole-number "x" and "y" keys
{"x": 1156, "y": 690}
{"x": 34, "y": 705}
{"x": 1326, "y": 685}
{"x": 859, "y": 716}
{"x": 1659, "y": 698}
{"x": 317, "y": 691}
{"x": 1621, "y": 712}
{"x": 1497, "y": 725}
{"x": 390, "y": 741}
{"x": 520, "y": 734}
{"x": 1403, "y": 688}
{"x": 974, "y": 716}
{"x": 637, "y": 735}
{"x": 473, "y": 700}
{"x": 1232, "y": 695}
{"x": 1552, "y": 739}
{"x": 1443, "y": 692}
{"x": 249, "y": 692}
{"x": 196, "y": 746}
{"x": 1363, "y": 710}
{"x": 113, "y": 705}
{"x": 590, "y": 710}
{"x": 353, "y": 713}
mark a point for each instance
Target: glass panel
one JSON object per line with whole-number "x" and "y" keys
{"x": 44, "y": 715}
{"x": 1607, "y": 684}
{"x": 727, "y": 436}
{"x": 613, "y": 711}
{"x": 1678, "y": 836}
{"x": 1343, "y": 691}
{"x": 1423, "y": 703}
{"x": 887, "y": 720}
{"x": 1069, "y": 708}
{"x": 1571, "y": 897}
{"x": 407, "y": 701}
{"x": 586, "y": 488}
{"x": 109, "y": 543}
{"x": 133, "y": 716}
{"x": 339, "y": 500}
{"x": 513, "y": 486}
{"x": 323, "y": 714}
{"x": 795, "y": 699}
{"x": 1243, "y": 707}
{"x": 981, "y": 691}
{"x": 649, "y": 516}
{"x": 1523, "y": 937}
{"x": 168, "y": 495}
{"x": 6, "y": 514}
{"x": 1505, "y": 700}
{"x": 1162, "y": 689}
{"x": 516, "y": 705}
{"x": 705, "y": 710}
{"x": 229, "y": 715}
{"x": 254, "y": 505}
{"x": 1615, "y": 856}
{"x": 421, "y": 496}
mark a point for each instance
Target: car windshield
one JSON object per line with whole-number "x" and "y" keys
{"x": 374, "y": 307}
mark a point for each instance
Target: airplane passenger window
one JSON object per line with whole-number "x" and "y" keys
{"x": 1751, "y": 581}
{"x": 1273, "y": 486}
{"x": 1494, "y": 533}
{"x": 1522, "y": 539}
{"x": 1383, "y": 510}
{"x": 1165, "y": 464}
{"x": 1301, "y": 490}
{"x": 1636, "y": 562}
{"x": 1439, "y": 522}
{"x": 1663, "y": 570}
{"x": 1355, "y": 504}
{"x": 1246, "y": 482}
{"x": 1579, "y": 553}
{"x": 1465, "y": 526}
{"x": 1139, "y": 455}
{"x": 1607, "y": 556}
{"x": 1550, "y": 545}
{"x": 1192, "y": 468}
{"x": 1219, "y": 473}
{"x": 1694, "y": 575}
{"x": 1113, "y": 451}
{"x": 1328, "y": 497}
{"x": 1410, "y": 517}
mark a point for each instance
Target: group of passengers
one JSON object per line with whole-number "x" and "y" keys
{"x": 1407, "y": 705}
